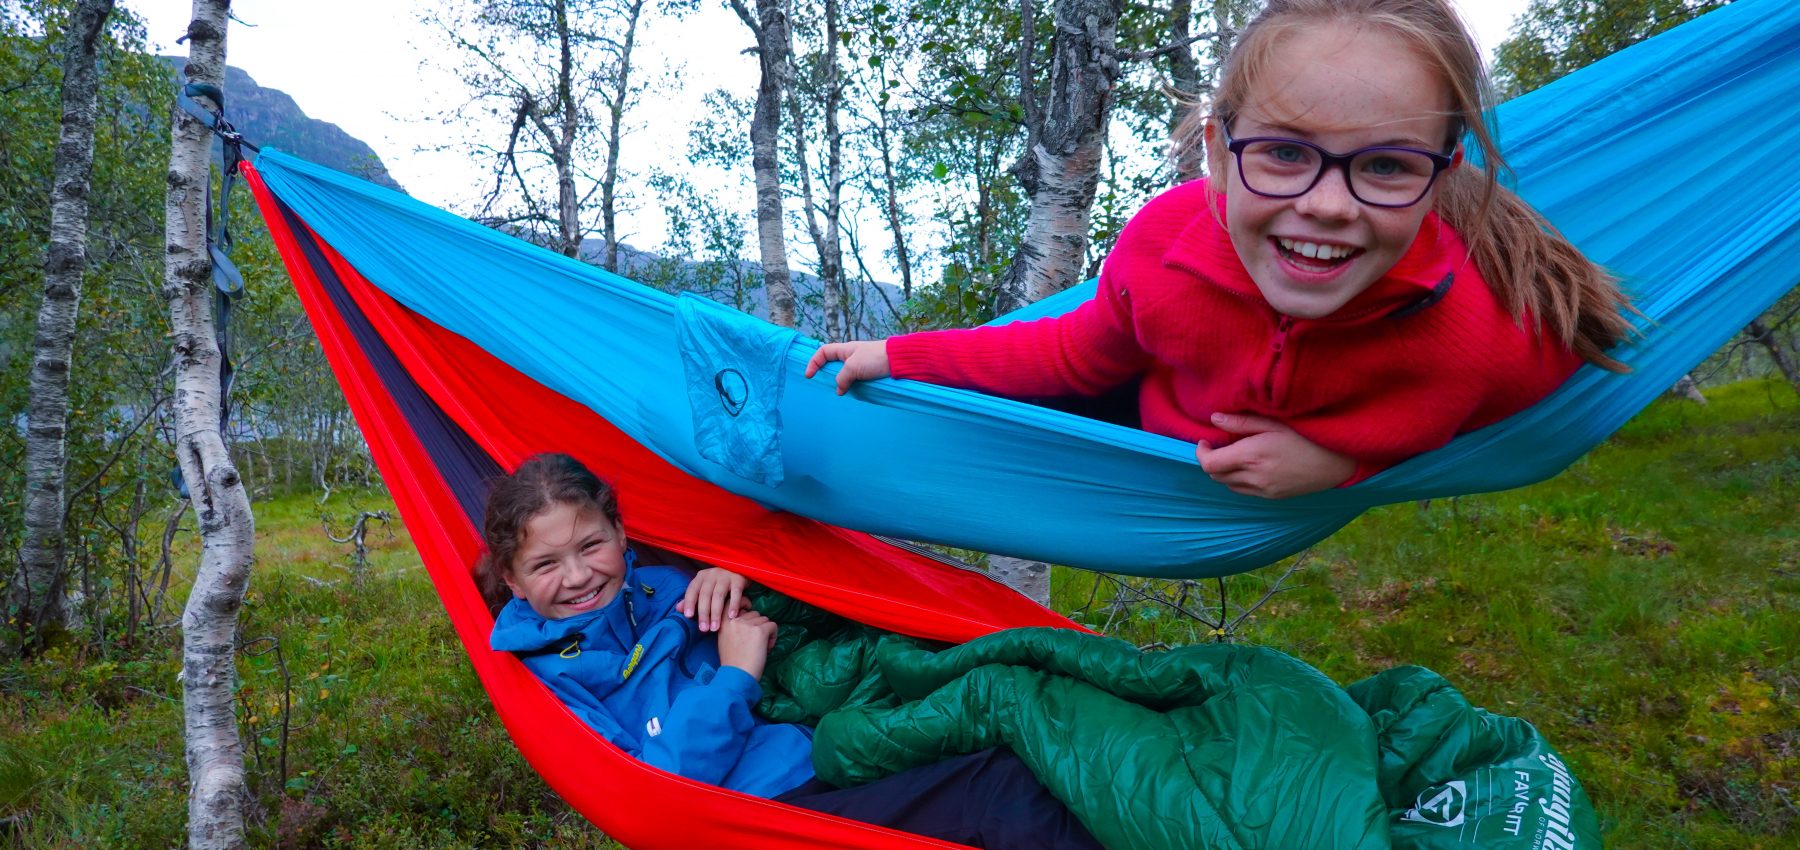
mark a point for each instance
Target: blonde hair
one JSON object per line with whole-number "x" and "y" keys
{"x": 1531, "y": 268}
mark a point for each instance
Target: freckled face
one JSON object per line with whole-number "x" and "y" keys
{"x": 572, "y": 561}
{"x": 1341, "y": 88}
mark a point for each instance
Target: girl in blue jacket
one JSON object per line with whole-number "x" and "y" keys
{"x": 667, "y": 668}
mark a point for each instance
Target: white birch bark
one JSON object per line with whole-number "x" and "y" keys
{"x": 1689, "y": 389}
{"x": 617, "y": 103}
{"x": 1063, "y": 166}
{"x": 831, "y": 253}
{"x": 39, "y": 600}
{"x": 827, "y": 239}
{"x": 891, "y": 201}
{"x": 568, "y": 207}
{"x": 773, "y": 44}
{"x": 217, "y": 792}
{"x": 1030, "y": 578}
{"x": 1049, "y": 257}
{"x": 1061, "y": 171}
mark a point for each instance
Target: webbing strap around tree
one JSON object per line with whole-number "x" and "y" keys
{"x": 228, "y": 282}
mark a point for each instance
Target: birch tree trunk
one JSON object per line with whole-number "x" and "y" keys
{"x": 1763, "y": 334}
{"x": 773, "y": 44}
{"x": 1191, "y": 79}
{"x": 831, "y": 254}
{"x": 1064, "y": 167}
{"x": 1026, "y": 169}
{"x": 826, "y": 239}
{"x": 1689, "y": 389}
{"x": 1184, "y": 78}
{"x": 39, "y": 594}
{"x": 891, "y": 201}
{"x": 1066, "y": 136}
{"x": 564, "y": 69}
{"x": 616, "y": 105}
{"x": 217, "y": 792}
{"x": 568, "y": 204}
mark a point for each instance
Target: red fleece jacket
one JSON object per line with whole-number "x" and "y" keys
{"x": 1424, "y": 354}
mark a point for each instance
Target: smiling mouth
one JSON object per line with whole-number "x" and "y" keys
{"x": 585, "y": 597}
{"x": 1314, "y": 256}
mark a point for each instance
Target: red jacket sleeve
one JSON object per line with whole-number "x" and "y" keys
{"x": 1085, "y": 351}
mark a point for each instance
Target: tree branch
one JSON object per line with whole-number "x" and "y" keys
{"x": 1141, "y": 55}
{"x": 118, "y": 451}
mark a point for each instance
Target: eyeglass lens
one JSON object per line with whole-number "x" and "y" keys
{"x": 1286, "y": 168}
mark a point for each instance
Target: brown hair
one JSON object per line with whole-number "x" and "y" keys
{"x": 1532, "y": 269}
{"x": 541, "y": 481}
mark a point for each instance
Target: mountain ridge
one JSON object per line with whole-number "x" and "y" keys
{"x": 270, "y": 117}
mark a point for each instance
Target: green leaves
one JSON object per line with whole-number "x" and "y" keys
{"x": 1555, "y": 37}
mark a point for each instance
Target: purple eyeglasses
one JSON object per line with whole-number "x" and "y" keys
{"x": 1380, "y": 176}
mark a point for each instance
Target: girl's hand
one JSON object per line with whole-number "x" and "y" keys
{"x": 1271, "y": 460}
{"x": 714, "y": 596}
{"x": 744, "y": 642}
{"x": 864, "y": 360}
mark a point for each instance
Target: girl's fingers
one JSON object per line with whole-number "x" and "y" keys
{"x": 1214, "y": 462}
{"x": 716, "y": 611}
{"x": 1245, "y": 424}
{"x": 823, "y": 355}
{"x": 694, "y": 601}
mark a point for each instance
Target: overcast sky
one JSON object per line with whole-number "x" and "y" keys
{"x": 358, "y": 64}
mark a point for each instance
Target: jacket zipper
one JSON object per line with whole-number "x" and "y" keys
{"x": 1279, "y": 345}
{"x": 1284, "y": 324}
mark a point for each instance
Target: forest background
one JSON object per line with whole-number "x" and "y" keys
{"x": 886, "y": 150}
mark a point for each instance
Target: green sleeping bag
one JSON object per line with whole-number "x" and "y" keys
{"x": 1215, "y": 746}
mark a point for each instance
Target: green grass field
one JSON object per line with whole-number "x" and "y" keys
{"x": 1640, "y": 609}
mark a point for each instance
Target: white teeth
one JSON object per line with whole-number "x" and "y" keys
{"x": 1314, "y": 250}
{"x": 584, "y": 597}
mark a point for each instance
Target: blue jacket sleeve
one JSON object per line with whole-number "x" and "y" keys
{"x": 706, "y": 728}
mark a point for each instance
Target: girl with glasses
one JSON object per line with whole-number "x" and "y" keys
{"x": 1340, "y": 293}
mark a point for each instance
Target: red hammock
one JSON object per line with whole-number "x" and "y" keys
{"x": 402, "y": 375}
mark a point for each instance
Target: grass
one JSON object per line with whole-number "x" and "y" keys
{"x": 1640, "y": 609}
{"x": 391, "y": 742}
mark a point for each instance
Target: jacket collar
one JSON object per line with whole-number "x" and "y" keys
{"x": 1417, "y": 280}
{"x": 518, "y": 628}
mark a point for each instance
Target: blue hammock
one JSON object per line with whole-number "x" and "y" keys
{"x": 1670, "y": 162}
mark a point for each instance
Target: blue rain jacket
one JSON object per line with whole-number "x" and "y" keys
{"x": 656, "y": 689}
